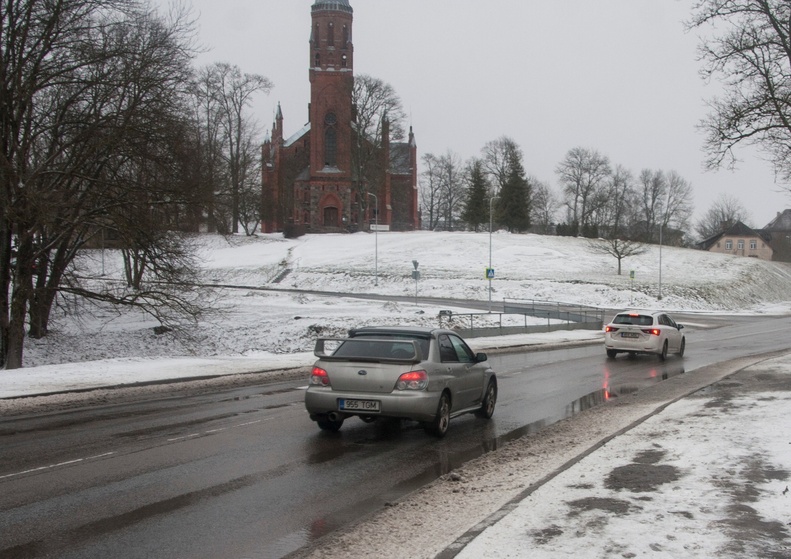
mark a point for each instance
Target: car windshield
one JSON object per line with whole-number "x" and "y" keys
{"x": 378, "y": 346}
{"x": 635, "y": 319}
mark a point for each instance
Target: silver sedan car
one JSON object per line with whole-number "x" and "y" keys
{"x": 422, "y": 374}
{"x": 635, "y": 332}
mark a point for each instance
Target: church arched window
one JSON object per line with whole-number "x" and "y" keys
{"x": 316, "y": 37}
{"x": 344, "y": 61}
{"x": 345, "y": 36}
{"x": 317, "y": 64}
{"x": 331, "y": 35}
{"x": 330, "y": 140}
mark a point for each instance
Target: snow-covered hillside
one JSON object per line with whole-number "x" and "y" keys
{"x": 452, "y": 265}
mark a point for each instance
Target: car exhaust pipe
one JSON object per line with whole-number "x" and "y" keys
{"x": 334, "y": 416}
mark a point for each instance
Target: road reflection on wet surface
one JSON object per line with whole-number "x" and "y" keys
{"x": 536, "y": 390}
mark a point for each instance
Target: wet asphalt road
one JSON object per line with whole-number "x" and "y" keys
{"x": 245, "y": 474}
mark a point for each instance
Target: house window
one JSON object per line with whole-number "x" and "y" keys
{"x": 741, "y": 244}
{"x": 728, "y": 245}
{"x": 753, "y": 245}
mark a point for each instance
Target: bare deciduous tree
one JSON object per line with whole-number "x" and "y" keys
{"x": 724, "y": 212}
{"x": 616, "y": 239}
{"x": 91, "y": 119}
{"x": 544, "y": 207}
{"x": 749, "y": 50}
{"x": 496, "y": 156}
{"x": 224, "y": 94}
{"x": 582, "y": 174}
{"x": 452, "y": 182}
{"x": 376, "y": 106}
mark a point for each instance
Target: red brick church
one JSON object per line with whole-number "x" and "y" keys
{"x": 312, "y": 181}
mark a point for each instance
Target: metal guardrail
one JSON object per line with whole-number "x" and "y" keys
{"x": 558, "y": 311}
{"x": 559, "y": 316}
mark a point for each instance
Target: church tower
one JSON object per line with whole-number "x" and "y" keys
{"x": 310, "y": 180}
{"x": 331, "y": 83}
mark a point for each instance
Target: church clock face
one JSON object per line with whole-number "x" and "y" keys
{"x": 330, "y": 119}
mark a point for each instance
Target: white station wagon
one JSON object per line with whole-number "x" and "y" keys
{"x": 644, "y": 332}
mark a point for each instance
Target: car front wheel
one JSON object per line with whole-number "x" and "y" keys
{"x": 439, "y": 425}
{"x": 489, "y": 401}
{"x": 683, "y": 347}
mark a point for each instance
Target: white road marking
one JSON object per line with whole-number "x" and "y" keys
{"x": 175, "y": 439}
{"x": 213, "y": 431}
{"x": 52, "y": 466}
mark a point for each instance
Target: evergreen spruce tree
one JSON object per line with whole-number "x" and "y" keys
{"x": 513, "y": 207}
{"x": 476, "y": 206}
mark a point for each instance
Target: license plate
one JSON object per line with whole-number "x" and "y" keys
{"x": 359, "y": 405}
{"x": 630, "y": 335}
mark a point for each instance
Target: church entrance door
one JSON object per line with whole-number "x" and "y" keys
{"x": 330, "y": 217}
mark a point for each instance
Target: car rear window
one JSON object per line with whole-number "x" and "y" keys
{"x": 637, "y": 320}
{"x": 381, "y": 347}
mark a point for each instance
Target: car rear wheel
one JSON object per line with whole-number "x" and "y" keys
{"x": 489, "y": 401}
{"x": 663, "y": 355}
{"x": 439, "y": 425}
{"x": 611, "y": 353}
{"x": 330, "y": 425}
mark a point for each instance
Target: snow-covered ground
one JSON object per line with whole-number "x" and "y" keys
{"x": 687, "y": 482}
{"x": 256, "y": 321}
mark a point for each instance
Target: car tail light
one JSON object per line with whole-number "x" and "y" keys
{"x": 653, "y": 331}
{"x": 413, "y": 380}
{"x": 611, "y": 329}
{"x": 319, "y": 376}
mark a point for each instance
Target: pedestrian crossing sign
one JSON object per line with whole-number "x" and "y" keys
{"x": 489, "y": 273}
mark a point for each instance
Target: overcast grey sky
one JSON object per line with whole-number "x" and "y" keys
{"x": 618, "y": 76}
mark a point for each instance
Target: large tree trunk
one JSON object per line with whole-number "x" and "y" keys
{"x": 5, "y": 288}
{"x": 19, "y": 302}
{"x": 49, "y": 274}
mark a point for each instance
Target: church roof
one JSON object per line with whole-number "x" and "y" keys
{"x": 339, "y": 5}
{"x": 296, "y": 136}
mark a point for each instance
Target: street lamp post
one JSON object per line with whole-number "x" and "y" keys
{"x": 488, "y": 272}
{"x": 376, "y": 236}
{"x": 660, "y": 262}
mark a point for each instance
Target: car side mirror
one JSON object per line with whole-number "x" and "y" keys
{"x": 480, "y": 357}
{"x": 680, "y": 326}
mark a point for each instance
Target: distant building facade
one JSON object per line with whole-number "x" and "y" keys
{"x": 739, "y": 240}
{"x": 779, "y": 232}
{"x": 311, "y": 181}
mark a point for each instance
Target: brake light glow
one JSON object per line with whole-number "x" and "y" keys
{"x": 611, "y": 329}
{"x": 653, "y": 331}
{"x": 319, "y": 376}
{"x": 413, "y": 380}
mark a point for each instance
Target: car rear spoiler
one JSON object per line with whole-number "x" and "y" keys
{"x": 368, "y": 349}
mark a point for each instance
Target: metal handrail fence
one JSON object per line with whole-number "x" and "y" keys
{"x": 559, "y": 316}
